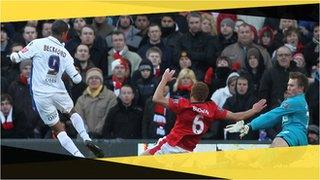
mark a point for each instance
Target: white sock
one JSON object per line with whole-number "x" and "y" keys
{"x": 68, "y": 144}
{"x": 77, "y": 123}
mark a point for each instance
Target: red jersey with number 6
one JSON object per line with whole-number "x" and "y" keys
{"x": 192, "y": 121}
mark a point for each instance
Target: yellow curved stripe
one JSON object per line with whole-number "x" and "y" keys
{"x": 269, "y": 163}
{"x": 17, "y": 10}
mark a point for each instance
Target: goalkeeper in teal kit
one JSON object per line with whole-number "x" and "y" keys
{"x": 293, "y": 112}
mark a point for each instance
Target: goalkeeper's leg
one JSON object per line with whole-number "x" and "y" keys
{"x": 279, "y": 142}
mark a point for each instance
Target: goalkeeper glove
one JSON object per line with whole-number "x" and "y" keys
{"x": 244, "y": 130}
{"x": 233, "y": 128}
{"x": 238, "y": 127}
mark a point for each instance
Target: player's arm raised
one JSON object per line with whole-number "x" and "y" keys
{"x": 256, "y": 108}
{"x": 158, "y": 96}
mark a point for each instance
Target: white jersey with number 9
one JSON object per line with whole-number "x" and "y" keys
{"x": 49, "y": 60}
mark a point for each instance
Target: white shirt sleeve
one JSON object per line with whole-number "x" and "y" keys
{"x": 71, "y": 70}
{"x": 29, "y": 51}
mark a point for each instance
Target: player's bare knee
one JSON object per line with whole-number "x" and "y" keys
{"x": 69, "y": 114}
{"x": 145, "y": 153}
{"x": 72, "y": 111}
{"x": 58, "y": 127}
{"x": 279, "y": 142}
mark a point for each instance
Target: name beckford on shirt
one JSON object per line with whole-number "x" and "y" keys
{"x": 54, "y": 50}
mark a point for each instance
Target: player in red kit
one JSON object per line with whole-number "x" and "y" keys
{"x": 193, "y": 117}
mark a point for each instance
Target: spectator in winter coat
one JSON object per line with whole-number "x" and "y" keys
{"x": 220, "y": 95}
{"x": 155, "y": 40}
{"x": 284, "y": 25}
{"x": 300, "y": 61}
{"x": 266, "y": 39}
{"x": 97, "y": 47}
{"x": 95, "y": 103}
{"x": 120, "y": 50}
{"x": 217, "y": 78}
{"x": 13, "y": 123}
{"x": 6, "y": 44}
{"x": 119, "y": 75}
{"x": 124, "y": 119}
{"x": 292, "y": 40}
{"x": 29, "y": 34}
{"x": 102, "y": 27}
{"x": 254, "y": 67}
{"x": 184, "y": 62}
{"x": 146, "y": 85}
{"x": 19, "y": 90}
{"x": 243, "y": 99}
{"x": 198, "y": 44}
{"x": 226, "y": 35}
{"x": 237, "y": 52}
{"x": 311, "y": 51}
{"x": 12, "y": 71}
{"x": 132, "y": 38}
{"x": 154, "y": 55}
{"x": 208, "y": 24}
{"x": 142, "y": 23}
{"x": 83, "y": 63}
{"x": 312, "y": 97}
{"x": 170, "y": 33}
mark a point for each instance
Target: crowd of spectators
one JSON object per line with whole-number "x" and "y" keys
{"x": 241, "y": 58}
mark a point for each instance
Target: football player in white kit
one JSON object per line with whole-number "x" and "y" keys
{"x": 49, "y": 61}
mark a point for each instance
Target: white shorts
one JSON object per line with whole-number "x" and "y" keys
{"x": 162, "y": 147}
{"x": 48, "y": 106}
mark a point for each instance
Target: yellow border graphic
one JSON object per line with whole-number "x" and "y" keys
{"x": 19, "y": 10}
{"x": 278, "y": 163}
{"x": 267, "y": 163}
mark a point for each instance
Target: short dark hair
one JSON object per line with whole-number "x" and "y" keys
{"x": 117, "y": 33}
{"x": 6, "y": 97}
{"x": 16, "y": 44}
{"x": 199, "y": 91}
{"x": 90, "y": 27}
{"x": 154, "y": 24}
{"x": 28, "y": 25}
{"x": 129, "y": 86}
{"x": 244, "y": 24}
{"x": 289, "y": 31}
{"x": 59, "y": 27}
{"x": 194, "y": 15}
{"x": 301, "y": 79}
{"x": 141, "y": 15}
{"x": 154, "y": 49}
{"x": 220, "y": 58}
